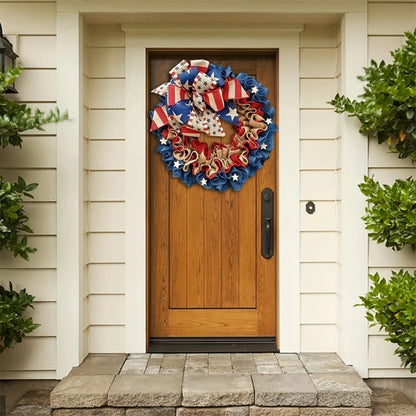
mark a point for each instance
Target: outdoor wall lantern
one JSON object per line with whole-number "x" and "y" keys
{"x": 7, "y": 59}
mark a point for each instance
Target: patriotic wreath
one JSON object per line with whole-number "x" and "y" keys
{"x": 195, "y": 100}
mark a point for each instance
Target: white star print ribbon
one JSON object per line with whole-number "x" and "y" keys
{"x": 182, "y": 66}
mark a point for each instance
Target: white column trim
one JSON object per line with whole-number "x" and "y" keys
{"x": 136, "y": 189}
{"x": 287, "y": 41}
{"x": 353, "y": 346}
{"x": 69, "y": 193}
{"x": 289, "y": 194}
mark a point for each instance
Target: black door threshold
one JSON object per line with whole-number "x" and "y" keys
{"x": 183, "y": 345}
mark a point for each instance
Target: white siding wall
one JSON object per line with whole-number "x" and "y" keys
{"x": 386, "y": 23}
{"x": 319, "y": 165}
{"x": 104, "y": 71}
{"x": 320, "y": 179}
{"x": 104, "y": 142}
{"x": 34, "y": 40}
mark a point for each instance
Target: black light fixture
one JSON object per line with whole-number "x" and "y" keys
{"x": 7, "y": 59}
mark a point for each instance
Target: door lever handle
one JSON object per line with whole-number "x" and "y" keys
{"x": 267, "y": 223}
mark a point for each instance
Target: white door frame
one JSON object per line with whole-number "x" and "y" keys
{"x": 286, "y": 40}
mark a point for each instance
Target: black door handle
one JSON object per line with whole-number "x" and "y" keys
{"x": 267, "y": 223}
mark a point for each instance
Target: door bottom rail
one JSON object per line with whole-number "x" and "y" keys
{"x": 219, "y": 344}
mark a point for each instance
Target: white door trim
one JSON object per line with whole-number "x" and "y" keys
{"x": 286, "y": 40}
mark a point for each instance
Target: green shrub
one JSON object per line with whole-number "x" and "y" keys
{"x": 15, "y": 118}
{"x": 387, "y": 110}
{"x": 391, "y": 215}
{"x": 13, "y": 218}
{"x": 13, "y": 326}
{"x": 388, "y": 106}
{"x": 392, "y": 305}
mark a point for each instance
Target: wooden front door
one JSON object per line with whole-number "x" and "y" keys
{"x": 207, "y": 276}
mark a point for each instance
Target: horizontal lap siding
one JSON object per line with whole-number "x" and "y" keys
{"x": 31, "y": 27}
{"x": 105, "y": 143}
{"x": 105, "y": 176}
{"x": 319, "y": 164}
{"x": 387, "y": 22}
{"x": 28, "y": 18}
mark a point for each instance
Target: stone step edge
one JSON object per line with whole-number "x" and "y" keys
{"x": 88, "y": 391}
{"x": 217, "y": 411}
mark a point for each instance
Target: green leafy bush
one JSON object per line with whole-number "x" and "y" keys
{"x": 391, "y": 215}
{"x": 387, "y": 110}
{"x": 13, "y": 218}
{"x": 392, "y": 306}
{"x": 13, "y": 326}
{"x": 16, "y": 118}
{"x": 388, "y": 106}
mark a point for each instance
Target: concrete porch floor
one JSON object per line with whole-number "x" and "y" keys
{"x": 240, "y": 384}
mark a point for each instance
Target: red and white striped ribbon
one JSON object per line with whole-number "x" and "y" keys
{"x": 201, "y": 64}
{"x": 176, "y": 94}
{"x": 233, "y": 90}
{"x": 215, "y": 99}
{"x": 160, "y": 118}
{"x": 187, "y": 131}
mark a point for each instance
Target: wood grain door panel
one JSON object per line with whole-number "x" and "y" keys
{"x": 207, "y": 277}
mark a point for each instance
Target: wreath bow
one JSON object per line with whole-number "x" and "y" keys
{"x": 197, "y": 97}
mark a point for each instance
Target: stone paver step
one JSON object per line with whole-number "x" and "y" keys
{"x": 234, "y": 384}
{"x": 207, "y": 390}
{"x": 386, "y": 402}
{"x": 146, "y": 390}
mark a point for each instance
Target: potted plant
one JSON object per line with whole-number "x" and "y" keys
{"x": 16, "y": 118}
